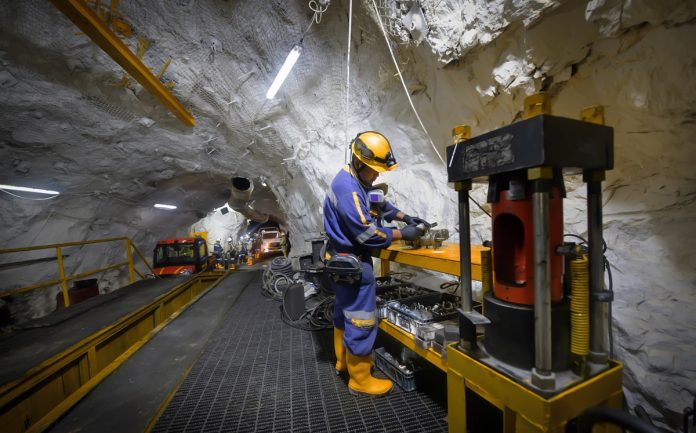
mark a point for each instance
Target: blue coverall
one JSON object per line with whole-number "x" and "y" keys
{"x": 351, "y": 229}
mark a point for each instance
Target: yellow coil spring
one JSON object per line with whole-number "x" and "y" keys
{"x": 579, "y": 307}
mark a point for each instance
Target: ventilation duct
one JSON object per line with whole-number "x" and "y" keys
{"x": 240, "y": 199}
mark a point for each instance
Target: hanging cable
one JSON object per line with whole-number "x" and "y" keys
{"x": 451, "y": 286}
{"x": 480, "y": 207}
{"x": 350, "y": 29}
{"x": 318, "y": 10}
{"x": 607, "y": 266}
{"x": 410, "y": 101}
{"x": 403, "y": 83}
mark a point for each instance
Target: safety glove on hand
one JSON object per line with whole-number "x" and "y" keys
{"x": 411, "y": 232}
{"x": 415, "y": 220}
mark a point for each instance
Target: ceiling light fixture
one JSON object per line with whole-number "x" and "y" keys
{"x": 165, "y": 206}
{"x": 224, "y": 209}
{"x": 284, "y": 71}
{"x": 24, "y": 189}
{"x": 318, "y": 9}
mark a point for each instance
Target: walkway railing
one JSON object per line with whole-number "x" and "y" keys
{"x": 63, "y": 279}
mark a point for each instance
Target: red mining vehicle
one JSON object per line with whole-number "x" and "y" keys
{"x": 182, "y": 256}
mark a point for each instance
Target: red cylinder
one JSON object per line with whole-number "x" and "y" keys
{"x": 513, "y": 248}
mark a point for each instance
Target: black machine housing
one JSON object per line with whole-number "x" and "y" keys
{"x": 543, "y": 140}
{"x": 565, "y": 145}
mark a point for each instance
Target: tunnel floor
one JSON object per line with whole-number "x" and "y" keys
{"x": 258, "y": 374}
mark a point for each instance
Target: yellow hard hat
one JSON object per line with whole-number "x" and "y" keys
{"x": 373, "y": 149}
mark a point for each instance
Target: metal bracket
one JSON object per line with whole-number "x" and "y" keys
{"x": 602, "y": 296}
{"x": 468, "y": 320}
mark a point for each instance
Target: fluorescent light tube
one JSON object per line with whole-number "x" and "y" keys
{"x": 284, "y": 71}
{"x": 165, "y": 206}
{"x": 23, "y": 189}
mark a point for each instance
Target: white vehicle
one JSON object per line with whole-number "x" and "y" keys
{"x": 271, "y": 241}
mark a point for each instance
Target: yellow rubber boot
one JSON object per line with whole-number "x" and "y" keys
{"x": 340, "y": 351}
{"x": 361, "y": 379}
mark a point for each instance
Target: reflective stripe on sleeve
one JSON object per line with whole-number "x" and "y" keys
{"x": 367, "y": 234}
{"x": 361, "y": 319}
{"x": 357, "y": 206}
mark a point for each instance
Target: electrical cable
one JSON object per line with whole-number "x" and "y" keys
{"x": 279, "y": 271}
{"x": 607, "y": 266}
{"x": 318, "y": 318}
{"x": 318, "y": 10}
{"x": 350, "y": 29}
{"x": 277, "y": 278}
{"x": 480, "y": 207}
{"x": 410, "y": 101}
{"x": 403, "y": 83}
{"x": 571, "y": 235}
{"x": 316, "y": 18}
{"x": 450, "y": 286}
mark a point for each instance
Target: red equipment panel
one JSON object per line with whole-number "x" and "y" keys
{"x": 513, "y": 248}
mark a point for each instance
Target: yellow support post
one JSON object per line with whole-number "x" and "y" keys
{"x": 143, "y": 45}
{"x": 84, "y": 17}
{"x": 129, "y": 256}
{"x": 523, "y": 410}
{"x": 536, "y": 104}
{"x": 593, "y": 114}
{"x": 384, "y": 268}
{"x": 164, "y": 68}
{"x": 61, "y": 275}
{"x": 112, "y": 9}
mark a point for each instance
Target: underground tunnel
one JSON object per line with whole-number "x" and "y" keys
{"x": 224, "y": 215}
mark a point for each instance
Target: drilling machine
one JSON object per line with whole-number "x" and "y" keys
{"x": 537, "y": 357}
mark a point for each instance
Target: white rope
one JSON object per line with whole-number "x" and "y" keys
{"x": 318, "y": 10}
{"x": 350, "y": 28}
{"x": 403, "y": 83}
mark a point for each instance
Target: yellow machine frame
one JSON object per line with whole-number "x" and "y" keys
{"x": 523, "y": 410}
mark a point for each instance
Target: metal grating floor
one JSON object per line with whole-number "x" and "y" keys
{"x": 260, "y": 375}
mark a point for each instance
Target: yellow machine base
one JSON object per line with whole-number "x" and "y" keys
{"x": 521, "y": 410}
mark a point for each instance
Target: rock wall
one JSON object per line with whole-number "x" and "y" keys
{"x": 68, "y": 122}
{"x": 480, "y": 59}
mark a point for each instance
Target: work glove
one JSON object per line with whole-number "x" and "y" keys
{"x": 415, "y": 220}
{"x": 411, "y": 232}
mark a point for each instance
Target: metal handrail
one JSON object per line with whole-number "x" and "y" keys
{"x": 62, "y": 279}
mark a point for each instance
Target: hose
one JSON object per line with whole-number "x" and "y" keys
{"x": 282, "y": 265}
{"x": 450, "y": 287}
{"x": 277, "y": 277}
{"x": 319, "y": 318}
{"x": 618, "y": 417}
{"x": 579, "y": 307}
